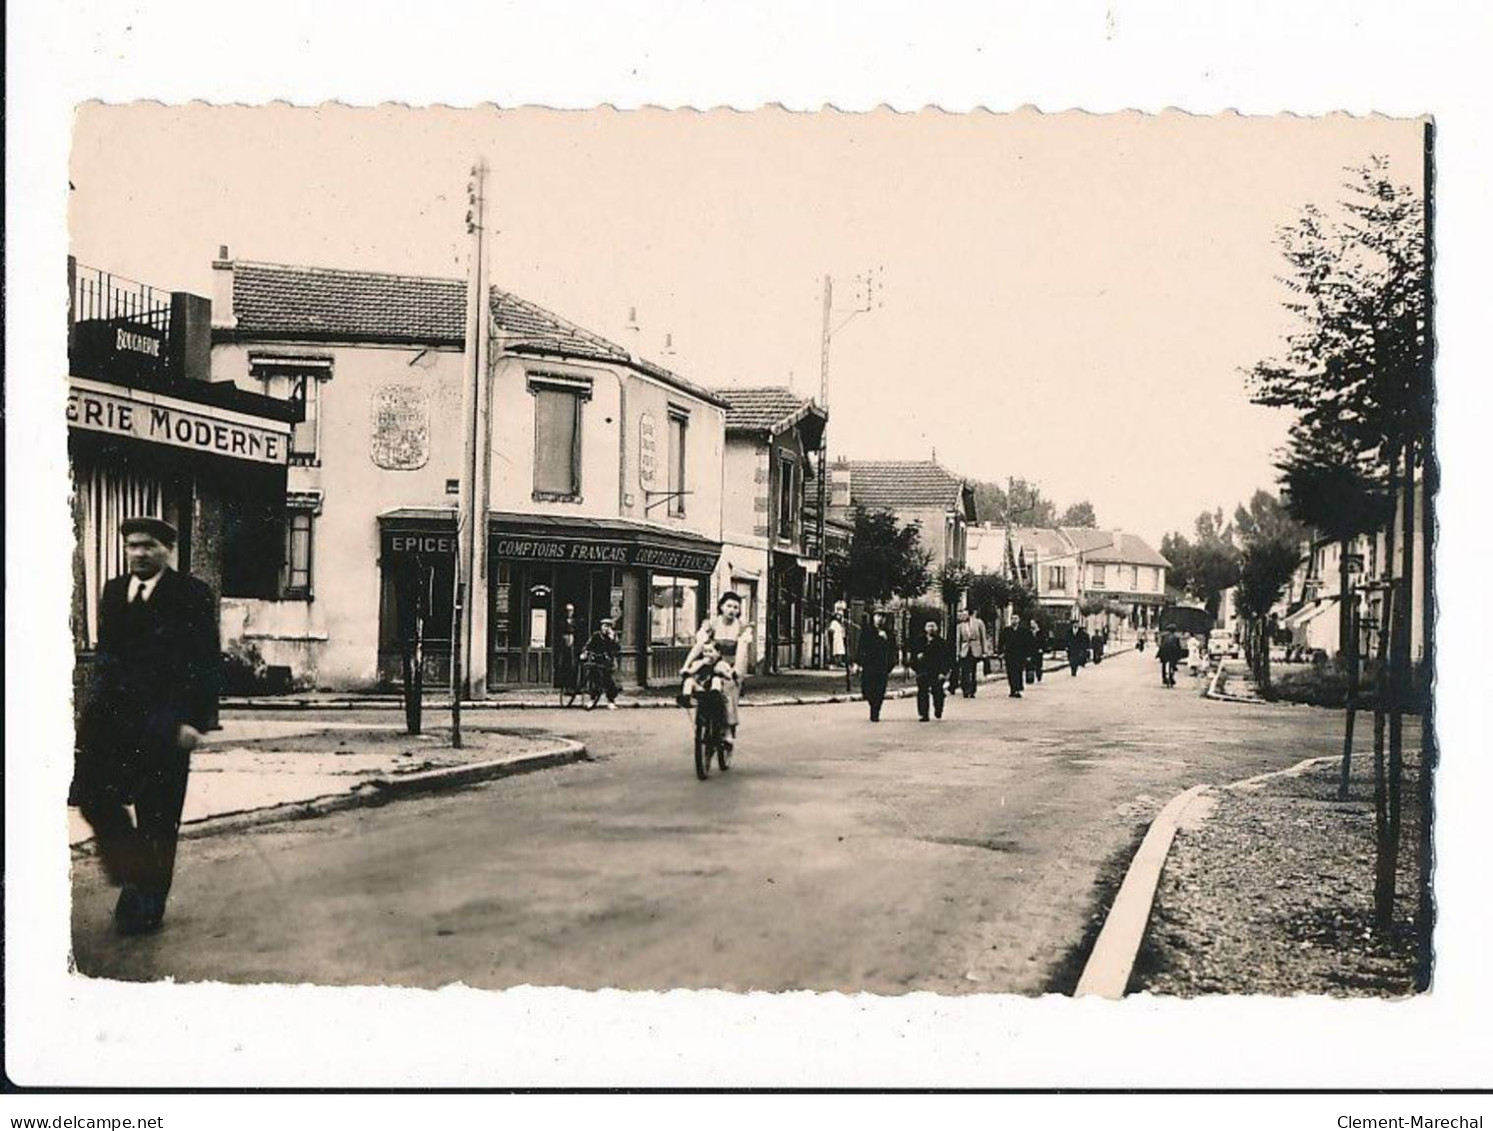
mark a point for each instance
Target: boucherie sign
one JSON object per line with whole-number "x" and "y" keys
{"x": 96, "y": 407}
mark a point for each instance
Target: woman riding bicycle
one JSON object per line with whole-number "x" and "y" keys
{"x": 728, "y": 634}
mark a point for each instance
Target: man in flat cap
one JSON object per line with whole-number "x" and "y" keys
{"x": 153, "y": 693}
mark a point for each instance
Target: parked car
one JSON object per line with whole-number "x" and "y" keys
{"x": 1221, "y": 643}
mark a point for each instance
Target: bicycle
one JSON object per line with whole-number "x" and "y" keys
{"x": 710, "y": 731}
{"x": 589, "y": 685}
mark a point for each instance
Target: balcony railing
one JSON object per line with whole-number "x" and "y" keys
{"x": 116, "y": 324}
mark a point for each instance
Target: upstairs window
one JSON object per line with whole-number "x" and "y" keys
{"x": 1057, "y": 578}
{"x": 787, "y": 498}
{"x": 678, "y": 436}
{"x": 298, "y": 379}
{"x": 557, "y": 436}
{"x": 1099, "y": 576}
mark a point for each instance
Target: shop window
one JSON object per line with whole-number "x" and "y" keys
{"x": 298, "y": 379}
{"x": 268, "y": 548}
{"x": 678, "y": 432}
{"x": 557, "y": 436}
{"x": 787, "y": 512}
{"x": 674, "y": 611}
{"x": 296, "y": 579}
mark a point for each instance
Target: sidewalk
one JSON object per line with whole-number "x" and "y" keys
{"x": 1273, "y": 892}
{"x": 256, "y": 770}
{"x": 781, "y": 689}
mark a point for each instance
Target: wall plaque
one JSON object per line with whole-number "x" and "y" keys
{"x": 647, "y": 451}
{"x": 401, "y": 428}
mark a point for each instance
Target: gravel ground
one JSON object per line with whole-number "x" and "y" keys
{"x": 1273, "y": 893}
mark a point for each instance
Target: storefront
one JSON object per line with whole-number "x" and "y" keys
{"x": 653, "y": 584}
{"x": 150, "y": 434}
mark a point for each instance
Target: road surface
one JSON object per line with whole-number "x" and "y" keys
{"x": 954, "y": 856}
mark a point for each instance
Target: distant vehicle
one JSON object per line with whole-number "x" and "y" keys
{"x": 1279, "y": 653}
{"x": 1221, "y": 643}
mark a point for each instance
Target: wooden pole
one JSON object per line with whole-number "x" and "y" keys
{"x": 1430, "y": 474}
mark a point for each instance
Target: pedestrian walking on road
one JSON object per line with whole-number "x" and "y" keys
{"x": 931, "y": 661}
{"x": 1012, "y": 658}
{"x": 1078, "y": 648}
{"x": 875, "y": 659}
{"x": 1038, "y": 654}
{"x": 1096, "y": 646}
{"x": 974, "y": 644}
{"x": 153, "y": 693}
{"x": 839, "y": 657}
{"x": 1169, "y": 652}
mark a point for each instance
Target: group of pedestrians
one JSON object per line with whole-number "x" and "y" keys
{"x": 942, "y": 668}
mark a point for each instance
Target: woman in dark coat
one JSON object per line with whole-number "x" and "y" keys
{"x": 876, "y": 657}
{"x": 1078, "y": 649}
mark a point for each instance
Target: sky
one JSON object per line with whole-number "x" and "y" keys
{"x": 1071, "y": 299}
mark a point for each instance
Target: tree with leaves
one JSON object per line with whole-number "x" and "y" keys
{"x": 886, "y": 559}
{"x": 1357, "y": 370}
{"x": 1207, "y": 565}
{"x": 1080, "y": 514}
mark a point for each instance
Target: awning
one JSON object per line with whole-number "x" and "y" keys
{"x": 565, "y": 539}
{"x": 1305, "y": 614}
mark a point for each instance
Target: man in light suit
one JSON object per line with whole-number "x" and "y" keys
{"x": 153, "y": 693}
{"x": 972, "y": 643}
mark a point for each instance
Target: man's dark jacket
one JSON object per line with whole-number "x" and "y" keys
{"x": 1014, "y": 639}
{"x": 156, "y": 667}
{"x": 932, "y": 656}
{"x": 876, "y": 657}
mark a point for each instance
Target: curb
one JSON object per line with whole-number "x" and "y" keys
{"x": 379, "y": 791}
{"x": 1107, "y": 972}
{"x": 1111, "y": 962}
{"x": 292, "y": 704}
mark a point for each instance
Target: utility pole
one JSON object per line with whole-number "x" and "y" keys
{"x": 471, "y": 501}
{"x": 872, "y": 301}
{"x": 821, "y": 624}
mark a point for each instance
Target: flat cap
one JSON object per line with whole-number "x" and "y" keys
{"x": 158, "y": 528}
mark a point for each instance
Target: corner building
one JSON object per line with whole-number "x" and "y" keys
{"x": 603, "y": 475}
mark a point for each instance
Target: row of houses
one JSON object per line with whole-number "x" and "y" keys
{"x": 1069, "y": 566}
{"x": 303, "y": 429}
{"x": 1309, "y": 611}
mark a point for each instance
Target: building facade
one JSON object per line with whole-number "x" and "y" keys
{"x": 601, "y": 474}
{"x": 149, "y": 433}
{"x": 772, "y": 448}
{"x": 920, "y": 493}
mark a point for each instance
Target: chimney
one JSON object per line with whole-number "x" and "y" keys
{"x": 224, "y": 316}
{"x": 1119, "y": 540}
{"x": 839, "y": 484}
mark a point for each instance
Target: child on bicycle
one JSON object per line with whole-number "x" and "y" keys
{"x": 726, "y": 634}
{"x": 703, "y": 673}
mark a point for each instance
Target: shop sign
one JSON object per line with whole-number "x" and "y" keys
{"x": 647, "y": 451}
{"x": 561, "y": 551}
{"x": 156, "y": 419}
{"x": 419, "y": 542}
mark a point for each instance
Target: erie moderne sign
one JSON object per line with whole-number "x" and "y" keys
{"x": 156, "y": 419}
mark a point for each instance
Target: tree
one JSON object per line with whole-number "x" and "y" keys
{"x": 953, "y": 581}
{"x": 1205, "y": 567}
{"x": 1025, "y": 505}
{"x": 1079, "y": 514}
{"x": 886, "y": 559}
{"x": 989, "y": 595}
{"x": 1358, "y": 371}
{"x": 1265, "y": 568}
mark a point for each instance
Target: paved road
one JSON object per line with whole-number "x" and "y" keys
{"x": 954, "y": 856}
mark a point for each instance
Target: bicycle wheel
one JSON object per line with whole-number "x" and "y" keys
{"x": 722, "y": 747}
{"x": 702, "y": 746}
{"x": 592, "y": 689}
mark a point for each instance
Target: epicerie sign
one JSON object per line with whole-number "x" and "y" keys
{"x": 163, "y": 420}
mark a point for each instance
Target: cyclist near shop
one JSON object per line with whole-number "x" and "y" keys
{"x": 604, "y": 650}
{"x": 728, "y": 634}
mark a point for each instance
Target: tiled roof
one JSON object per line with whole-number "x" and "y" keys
{"x": 275, "y": 301}
{"x": 892, "y": 484}
{"x": 1099, "y": 546}
{"x": 769, "y": 409}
